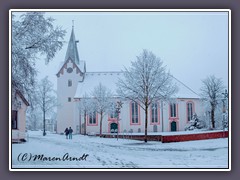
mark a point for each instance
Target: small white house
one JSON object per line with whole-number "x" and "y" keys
{"x": 18, "y": 117}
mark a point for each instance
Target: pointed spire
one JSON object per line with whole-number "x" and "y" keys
{"x": 72, "y": 51}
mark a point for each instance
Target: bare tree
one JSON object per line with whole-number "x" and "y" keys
{"x": 212, "y": 92}
{"x": 33, "y": 35}
{"x": 34, "y": 116}
{"x": 102, "y": 101}
{"x": 33, "y": 113}
{"x": 85, "y": 107}
{"x": 145, "y": 82}
{"x": 47, "y": 99}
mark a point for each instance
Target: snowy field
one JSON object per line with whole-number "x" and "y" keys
{"x": 93, "y": 152}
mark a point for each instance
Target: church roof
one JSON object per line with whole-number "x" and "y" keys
{"x": 72, "y": 51}
{"x": 72, "y": 55}
{"x": 109, "y": 80}
{"x": 184, "y": 91}
{"x": 92, "y": 79}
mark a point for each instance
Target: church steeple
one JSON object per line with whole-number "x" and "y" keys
{"x": 72, "y": 51}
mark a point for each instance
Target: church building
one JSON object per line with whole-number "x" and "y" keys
{"x": 73, "y": 81}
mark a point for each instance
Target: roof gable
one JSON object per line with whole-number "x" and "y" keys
{"x": 64, "y": 66}
{"x": 22, "y": 97}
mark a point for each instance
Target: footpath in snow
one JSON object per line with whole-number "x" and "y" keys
{"x": 55, "y": 151}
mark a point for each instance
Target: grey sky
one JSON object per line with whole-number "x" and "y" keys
{"x": 192, "y": 45}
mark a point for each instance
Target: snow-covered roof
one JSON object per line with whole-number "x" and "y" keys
{"x": 184, "y": 91}
{"x": 109, "y": 80}
{"x": 92, "y": 79}
{"x": 22, "y": 97}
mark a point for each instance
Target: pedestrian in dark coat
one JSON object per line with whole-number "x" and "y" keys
{"x": 66, "y": 132}
{"x": 70, "y": 132}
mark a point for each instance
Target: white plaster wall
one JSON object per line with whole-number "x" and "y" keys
{"x": 20, "y": 133}
{"x": 125, "y": 118}
{"x": 124, "y": 122}
{"x": 65, "y": 110}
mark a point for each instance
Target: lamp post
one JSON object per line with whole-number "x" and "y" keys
{"x": 118, "y": 107}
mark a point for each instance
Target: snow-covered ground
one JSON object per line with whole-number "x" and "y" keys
{"x": 124, "y": 153}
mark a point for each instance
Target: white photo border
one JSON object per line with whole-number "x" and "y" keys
{"x": 123, "y": 10}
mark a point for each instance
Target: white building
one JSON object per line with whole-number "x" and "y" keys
{"x": 18, "y": 116}
{"x": 73, "y": 81}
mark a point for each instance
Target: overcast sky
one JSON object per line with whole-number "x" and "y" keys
{"x": 193, "y": 45}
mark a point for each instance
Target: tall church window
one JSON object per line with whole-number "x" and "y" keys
{"x": 69, "y": 83}
{"x": 113, "y": 113}
{"x": 173, "y": 110}
{"x": 14, "y": 119}
{"x": 135, "y": 115}
{"x": 93, "y": 117}
{"x": 189, "y": 111}
{"x": 154, "y": 112}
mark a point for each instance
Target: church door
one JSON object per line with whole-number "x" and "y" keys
{"x": 173, "y": 126}
{"x": 155, "y": 128}
{"x": 113, "y": 127}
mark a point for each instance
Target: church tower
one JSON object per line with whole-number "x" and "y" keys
{"x": 71, "y": 71}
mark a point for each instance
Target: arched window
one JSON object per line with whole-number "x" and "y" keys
{"x": 154, "y": 111}
{"x": 135, "y": 115}
{"x": 189, "y": 111}
{"x": 173, "y": 110}
{"x": 93, "y": 117}
{"x": 113, "y": 113}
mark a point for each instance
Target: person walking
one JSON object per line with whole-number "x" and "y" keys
{"x": 66, "y": 132}
{"x": 70, "y": 131}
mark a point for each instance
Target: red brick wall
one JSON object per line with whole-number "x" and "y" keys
{"x": 175, "y": 138}
{"x": 191, "y": 137}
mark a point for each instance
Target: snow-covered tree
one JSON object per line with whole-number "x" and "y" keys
{"x": 33, "y": 113}
{"x": 85, "y": 107}
{"x": 221, "y": 118}
{"x": 145, "y": 82}
{"x": 33, "y": 36}
{"x": 34, "y": 116}
{"x": 46, "y": 98}
{"x": 212, "y": 92}
{"x": 102, "y": 101}
{"x": 195, "y": 123}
